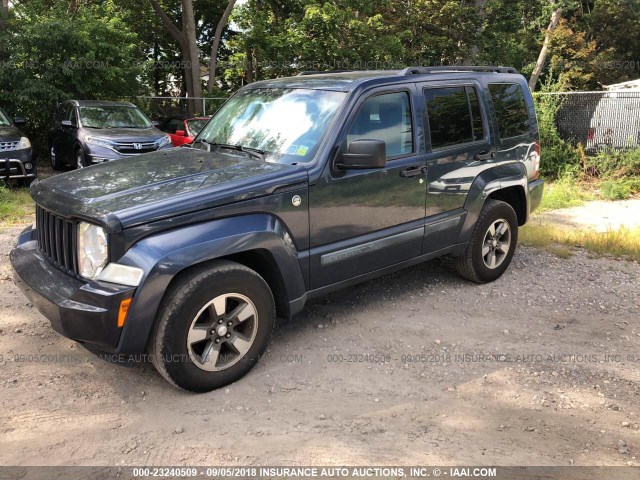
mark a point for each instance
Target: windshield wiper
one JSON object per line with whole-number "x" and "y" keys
{"x": 254, "y": 152}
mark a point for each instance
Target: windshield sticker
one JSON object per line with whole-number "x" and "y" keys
{"x": 302, "y": 150}
{"x": 292, "y": 150}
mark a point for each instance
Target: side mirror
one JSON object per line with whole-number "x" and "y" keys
{"x": 19, "y": 121}
{"x": 363, "y": 154}
{"x": 156, "y": 123}
{"x": 180, "y": 133}
{"x": 67, "y": 123}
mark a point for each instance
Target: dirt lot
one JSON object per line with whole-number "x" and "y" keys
{"x": 509, "y": 401}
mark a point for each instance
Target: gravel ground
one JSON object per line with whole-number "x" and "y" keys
{"x": 539, "y": 368}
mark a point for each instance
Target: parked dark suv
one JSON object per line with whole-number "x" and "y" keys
{"x": 296, "y": 187}
{"x": 88, "y": 132}
{"x": 17, "y": 160}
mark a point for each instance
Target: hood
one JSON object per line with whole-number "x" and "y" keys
{"x": 126, "y": 135}
{"x": 163, "y": 184}
{"x": 9, "y": 133}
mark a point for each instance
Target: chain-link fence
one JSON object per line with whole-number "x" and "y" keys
{"x": 161, "y": 108}
{"x": 600, "y": 120}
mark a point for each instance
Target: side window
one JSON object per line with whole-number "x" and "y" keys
{"x": 454, "y": 116}
{"x": 73, "y": 117}
{"x": 511, "y": 109}
{"x": 385, "y": 117}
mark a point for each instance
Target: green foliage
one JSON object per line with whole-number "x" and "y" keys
{"x": 557, "y": 155}
{"x": 615, "y": 164}
{"x": 564, "y": 193}
{"x": 615, "y": 189}
{"x": 57, "y": 56}
{"x": 16, "y": 206}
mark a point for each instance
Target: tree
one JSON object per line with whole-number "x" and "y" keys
{"x": 55, "y": 57}
{"x": 187, "y": 39}
{"x": 542, "y": 58}
{"x": 222, "y": 23}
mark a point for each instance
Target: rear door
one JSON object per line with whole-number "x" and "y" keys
{"x": 364, "y": 220}
{"x": 459, "y": 146}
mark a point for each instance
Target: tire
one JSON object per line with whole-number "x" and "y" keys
{"x": 192, "y": 310}
{"x": 79, "y": 159}
{"x": 476, "y": 264}
{"x": 56, "y": 164}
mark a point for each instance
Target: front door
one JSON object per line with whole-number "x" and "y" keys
{"x": 365, "y": 220}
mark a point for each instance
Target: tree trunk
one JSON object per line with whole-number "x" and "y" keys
{"x": 193, "y": 63}
{"x": 249, "y": 65}
{"x": 187, "y": 40}
{"x": 4, "y": 12}
{"x": 222, "y": 23}
{"x": 482, "y": 14}
{"x": 542, "y": 58}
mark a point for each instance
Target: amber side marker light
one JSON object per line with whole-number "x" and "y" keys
{"x": 122, "y": 312}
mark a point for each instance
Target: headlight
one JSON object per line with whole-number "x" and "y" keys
{"x": 164, "y": 141}
{"x": 24, "y": 143}
{"x": 92, "y": 249}
{"x": 99, "y": 142}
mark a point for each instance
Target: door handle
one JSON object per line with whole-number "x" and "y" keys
{"x": 413, "y": 172}
{"x": 481, "y": 157}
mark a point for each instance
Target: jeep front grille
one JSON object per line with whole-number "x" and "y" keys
{"x": 57, "y": 239}
{"x": 5, "y": 146}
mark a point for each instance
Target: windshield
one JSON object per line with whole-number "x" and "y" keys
{"x": 196, "y": 124}
{"x": 287, "y": 124}
{"x": 4, "y": 121}
{"x": 113, "y": 116}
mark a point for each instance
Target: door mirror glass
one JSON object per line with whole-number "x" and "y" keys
{"x": 66, "y": 123}
{"x": 363, "y": 154}
{"x": 19, "y": 122}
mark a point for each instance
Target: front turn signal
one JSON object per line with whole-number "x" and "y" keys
{"x": 122, "y": 312}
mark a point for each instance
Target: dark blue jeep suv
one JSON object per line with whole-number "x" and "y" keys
{"x": 296, "y": 187}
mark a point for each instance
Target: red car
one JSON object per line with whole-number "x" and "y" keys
{"x": 183, "y": 130}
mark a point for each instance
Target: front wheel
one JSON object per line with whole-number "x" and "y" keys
{"x": 213, "y": 326}
{"x": 492, "y": 244}
{"x": 80, "y": 161}
{"x": 56, "y": 162}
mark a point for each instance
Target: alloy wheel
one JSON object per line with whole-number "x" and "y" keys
{"x": 222, "y": 332}
{"x": 496, "y": 244}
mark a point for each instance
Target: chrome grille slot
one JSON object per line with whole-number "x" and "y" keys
{"x": 5, "y": 146}
{"x": 57, "y": 239}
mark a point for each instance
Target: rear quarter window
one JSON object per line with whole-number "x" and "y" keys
{"x": 511, "y": 110}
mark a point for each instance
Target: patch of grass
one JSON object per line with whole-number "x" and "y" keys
{"x": 564, "y": 193}
{"x": 16, "y": 206}
{"x": 615, "y": 190}
{"x": 557, "y": 240}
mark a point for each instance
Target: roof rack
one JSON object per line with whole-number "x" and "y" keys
{"x": 456, "y": 68}
{"x": 319, "y": 72}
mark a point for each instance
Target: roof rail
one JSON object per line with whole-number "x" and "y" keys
{"x": 319, "y": 72}
{"x": 456, "y": 68}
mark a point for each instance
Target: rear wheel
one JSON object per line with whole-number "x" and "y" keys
{"x": 213, "y": 326}
{"x": 492, "y": 244}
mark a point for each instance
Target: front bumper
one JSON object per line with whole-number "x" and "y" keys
{"x": 77, "y": 309}
{"x": 535, "y": 194}
{"x": 14, "y": 163}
